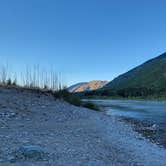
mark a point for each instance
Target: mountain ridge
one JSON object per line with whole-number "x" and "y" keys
{"x": 152, "y": 73}
{"x": 87, "y": 86}
{"x": 147, "y": 80}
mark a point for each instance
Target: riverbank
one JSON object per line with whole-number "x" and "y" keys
{"x": 145, "y": 116}
{"x": 36, "y": 129}
{"x": 150, "y": 131}
{"x": 148, "y": 98}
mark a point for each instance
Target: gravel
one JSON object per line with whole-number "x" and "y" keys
{"x": 49, "y": 132}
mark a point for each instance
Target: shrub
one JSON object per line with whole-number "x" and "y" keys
{"x": 9, "y": 82}
{"x": 64, "y": 94}
{"x": 14, "y": 83}
{"x": 90, "y": 106}
{"x": 74, "y": 100}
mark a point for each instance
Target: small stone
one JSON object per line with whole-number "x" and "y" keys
{"x": 12, "y": 159}
{"x": 12, "y": 115}
{"x": 1, "y": 160}
{"x": 31, "y": 152}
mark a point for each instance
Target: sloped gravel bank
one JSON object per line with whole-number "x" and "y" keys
{"x": 66, "y": 135}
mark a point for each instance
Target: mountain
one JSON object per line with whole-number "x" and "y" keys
{"x": 74, "y": 87}
{"x": 151, "y": 74}
{"x": 145, "y": 80}
{"x": 87, "y": 86}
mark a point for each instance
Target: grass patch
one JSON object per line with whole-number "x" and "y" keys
{"x": 39, "y": 80}
{"x": 90, "y": 105}
{"x": 74, "y": 100}
{"x": 68, "y": 97}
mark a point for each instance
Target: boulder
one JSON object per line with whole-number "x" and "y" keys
{"x": 31, "y": 152}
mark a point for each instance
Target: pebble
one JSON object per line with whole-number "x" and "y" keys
{"x": 31, "y": 152}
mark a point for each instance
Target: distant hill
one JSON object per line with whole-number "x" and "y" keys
{"x": 87, "y": 86}
{"x": 151, "y": 74}
{"x": 74, "y": 87}
{"x": 145, "y": 80}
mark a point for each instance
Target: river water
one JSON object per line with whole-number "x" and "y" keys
{"x": 146, "y": 117}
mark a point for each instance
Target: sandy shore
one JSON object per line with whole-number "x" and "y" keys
{"x": 66, "y": 135}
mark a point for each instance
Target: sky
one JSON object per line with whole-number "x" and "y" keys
{"x": 82, "y": 39}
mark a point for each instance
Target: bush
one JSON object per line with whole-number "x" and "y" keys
{"x": 9, "y": 82}
{"x": 14, "y": 83}
{"x": 74, "y": 100}
{"x": 90, "y": 106}
{"x": 65, "y": 95}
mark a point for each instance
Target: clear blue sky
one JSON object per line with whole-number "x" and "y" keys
{"x": 82, "y": 39}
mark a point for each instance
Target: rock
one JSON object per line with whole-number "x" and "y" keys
{"x": 12, "y": 115}
{"x": 31, "y": 152}
{"x": 7, "y": 114}
{"x": 3, "y": 124}
{"x": 12, "y": 159}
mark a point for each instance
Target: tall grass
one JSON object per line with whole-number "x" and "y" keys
{"x": 37, "y": 78}
{"x": 31, "y": 77}
{"x": 75, "y": 100}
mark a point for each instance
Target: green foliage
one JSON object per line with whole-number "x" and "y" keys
{"x": 74, "y": 100}
{"x": 45, "y": 87}
{"x": 9, "y": 82}
{"x": 14, "y": 83}
{"x": 150, "y": 75}
{"x": 90, "y": 105}
{"x": 64, "y": 94}
{"x": 146, "y": 80}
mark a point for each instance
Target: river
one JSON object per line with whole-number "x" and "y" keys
{"x": 146, "y": 117}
